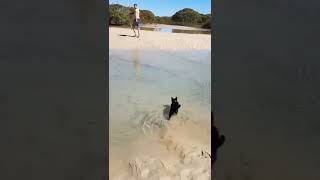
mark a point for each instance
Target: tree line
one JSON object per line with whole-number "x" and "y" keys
{"x": 122, "y": 16}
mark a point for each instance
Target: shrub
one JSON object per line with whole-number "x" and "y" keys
{"x": 163, "y": 20}
{"x": 187, "y": 15}
{"x": 119, "y": 15}
{"x": 147, "y": 16}
{"x": 204, "y": 19}
{"x": 207, "y": 25}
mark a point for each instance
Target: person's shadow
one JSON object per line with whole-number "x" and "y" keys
{"x": 166, "y": 111}
{"x": 125, "y": 35}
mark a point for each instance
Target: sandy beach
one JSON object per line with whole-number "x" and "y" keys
{"x": 144, "y": 73}
{"x": 158, "y": 40}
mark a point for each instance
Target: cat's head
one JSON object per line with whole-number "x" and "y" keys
{"x": 174, "y": 100}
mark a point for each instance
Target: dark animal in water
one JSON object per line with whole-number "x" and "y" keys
{"x": 217, "y": 139}
{"x": 174, "y": 107}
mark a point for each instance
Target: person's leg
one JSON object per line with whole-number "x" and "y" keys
{"x": 133, "y": 26}
{"x": 134, "y": 31}
{"x": 138, "y": 27}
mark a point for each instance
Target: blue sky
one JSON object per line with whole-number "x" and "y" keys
{"x": 167, "y": 7}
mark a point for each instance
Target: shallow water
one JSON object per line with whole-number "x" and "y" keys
{"x": 141, "y": 84}
{"x": 174, "y": 30}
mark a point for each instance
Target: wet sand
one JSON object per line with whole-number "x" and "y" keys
{"x": 142, "y": 78}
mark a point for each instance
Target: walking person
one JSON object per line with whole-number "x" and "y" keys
{"x": 136, "y": 22}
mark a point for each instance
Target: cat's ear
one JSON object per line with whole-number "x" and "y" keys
{"x": 171, "y": 98}
{"x": 176, "y": 98}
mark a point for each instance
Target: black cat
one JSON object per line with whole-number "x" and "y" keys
{"x": 174, "y": 106}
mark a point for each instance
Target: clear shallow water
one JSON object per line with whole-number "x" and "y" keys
{"x": 141, "y": 82}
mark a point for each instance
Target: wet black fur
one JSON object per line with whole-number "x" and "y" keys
{"x": 174, "y": 107}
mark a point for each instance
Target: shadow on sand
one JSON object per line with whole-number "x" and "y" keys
{"x": 166, "y": 111}
{"x": 125, "y": 35}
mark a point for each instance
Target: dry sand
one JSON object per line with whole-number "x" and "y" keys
{"x": 157, "y": 40}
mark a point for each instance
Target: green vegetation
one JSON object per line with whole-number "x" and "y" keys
{"x": 163, "y": 20}
{"x": 123, "y": 16}
{"x": 190, "y": 17}
{"x": 147, "y": 16}
{"x": 187, "y": 15}
{"x": 119, "y": 15}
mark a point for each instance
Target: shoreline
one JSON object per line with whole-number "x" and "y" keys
{"x": 119, "y": 38}
{"x": 179, "y": 27}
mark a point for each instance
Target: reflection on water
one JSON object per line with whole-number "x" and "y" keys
{"x": 136, "y": 62}
{"x": 163, "y": 29}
